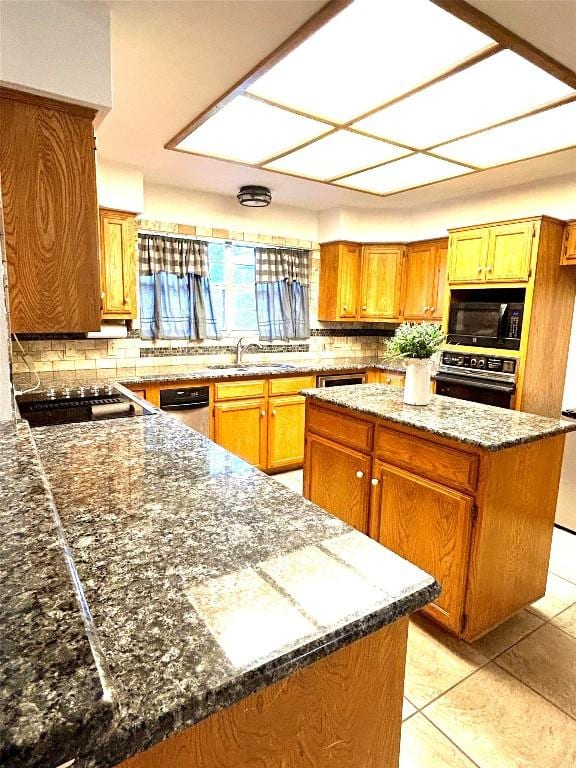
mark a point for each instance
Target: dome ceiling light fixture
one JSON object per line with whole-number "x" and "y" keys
{"x": 254, "y": 196}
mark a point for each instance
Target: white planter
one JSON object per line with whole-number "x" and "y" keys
{"x": 417, "y": 383}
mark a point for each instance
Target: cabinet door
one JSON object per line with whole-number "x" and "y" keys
{"x": 509, "y": 252}
{"x": 438, "y": 293}
{"x": 117, "y": 265}
{"x": 338, "y": 479}
{"x": 50, "y": 214}
{"x": 286, "y": 416}
{"x": 349, "y": 281}
{"x": 240, "y": 427}
{"x": 569, "y": 246}
{"x": 467, "y": 251}
{"x": 381, "y": 282}
{"x": 429, "y": 525}
{"x": 419, "y": 281}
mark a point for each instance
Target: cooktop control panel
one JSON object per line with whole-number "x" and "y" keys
{"x": 478, "y": 364}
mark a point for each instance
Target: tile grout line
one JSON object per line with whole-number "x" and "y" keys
{"x": 454, "y": 744}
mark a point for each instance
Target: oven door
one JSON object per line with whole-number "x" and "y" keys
{"x": 489, "y": 392}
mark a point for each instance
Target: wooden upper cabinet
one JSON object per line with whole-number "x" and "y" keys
{"x": 430, "y": 525}
{"x": 467, "y": 252}
{"x": 424, "y": 278}
{"x": 339, "y": 281}
{"x": 509, "y": 252}
{"x": 118, "y": 264}
{"x": 381, "y": 282}
{"x": 569, "y": 244}
{"x": 441, "y": 264}
{"x": 50, "y": 214}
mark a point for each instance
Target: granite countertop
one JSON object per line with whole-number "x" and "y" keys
{"x": 482, "y": 426}
{"x": 204, "y": 580}
{"x": 52, "y": 695}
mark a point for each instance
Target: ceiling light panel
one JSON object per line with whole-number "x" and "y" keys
{"x": 538, "y": 134}
{"x": 341, "y": 152}
{"x": 371, "y": 52}
{"x": 413, "y": 171}
{"x": 497, "y": 89}
{"x": 250, "y": 131}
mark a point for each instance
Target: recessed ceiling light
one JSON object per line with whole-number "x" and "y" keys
{"x": 496, "y": 89}
{"x": 250, "y": 131}
{"x": 336, "y": 154}
{"x": 413, "y": 171}
{"x": 538, "y": 134}
{"x": 370, "y": 53}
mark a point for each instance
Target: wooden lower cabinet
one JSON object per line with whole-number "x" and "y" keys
{"x": 340, "y": 711}
{"x": 240, "y": 427}
{"x": 337, "y": 478}
{"x": 479, "y": 521}
{"x": 286, "y": 417}
{"x": 428, "y": 524}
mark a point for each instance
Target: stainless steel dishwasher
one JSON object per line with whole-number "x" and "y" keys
{"x": 190, "y": 405}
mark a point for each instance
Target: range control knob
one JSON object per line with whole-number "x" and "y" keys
{"x": 81, "y": 391}
{"x": 51, "y": 393}
{"x": 94, "y": 390}
{"x": 481, "y": 363}
{"x": 66, "y": 391}
{"x": 473, "y": 362}
{"x": 109, "y": 389}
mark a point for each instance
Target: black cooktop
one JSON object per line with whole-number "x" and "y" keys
{"x": 69, "y": 405}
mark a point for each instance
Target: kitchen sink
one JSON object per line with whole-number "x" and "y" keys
{"x": 247, "y": 366}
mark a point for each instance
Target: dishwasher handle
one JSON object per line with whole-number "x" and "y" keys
{"x": 183, "y": 406}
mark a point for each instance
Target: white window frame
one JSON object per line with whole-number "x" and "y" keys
{"x": 230, "y": 289}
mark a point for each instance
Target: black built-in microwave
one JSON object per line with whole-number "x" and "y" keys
{"x": 486, "y": 324}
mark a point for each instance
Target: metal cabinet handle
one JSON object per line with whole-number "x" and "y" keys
{"x": 374, "y": 481}
{"x": 359, "y": 474}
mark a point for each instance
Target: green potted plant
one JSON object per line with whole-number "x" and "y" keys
{"x": 416, "y": 343}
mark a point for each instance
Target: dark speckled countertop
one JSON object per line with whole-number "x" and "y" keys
{"x": 204, "y": 580}
{"x": 482, "y": 426}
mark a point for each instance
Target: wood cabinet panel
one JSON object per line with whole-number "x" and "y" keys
{"x": 381, "y": 282}
{"x": 438, "y": 295}
{"x": 437, "y": 462}
{"x": 118, "y": 264}
{"x": 348, "y": 282}
{"x": 419, "y": 281}
{"x": 429, "y": 525}
{"x": 347, "y": 430}
{"x": 290, "y": 386}
{"x": 304, "y": 721}
{"x": 286, "y": 417}
{"x": 467, "y": 254}
{"x": 235, "y": 390}
{"x": 509, "y": 252}
{"x": 240, "y": 427}
{"x": 337, "y": 478}
{"x": 569, "y": 244}
{"x": 50, "y": 214}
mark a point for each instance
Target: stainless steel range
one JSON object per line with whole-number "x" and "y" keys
{"x": 72, "y": 404}
{"x": 480, "y": 378}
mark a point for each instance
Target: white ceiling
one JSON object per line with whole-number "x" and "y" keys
{"x": 170, "y": 60}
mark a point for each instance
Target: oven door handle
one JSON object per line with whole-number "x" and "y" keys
{"x": 478, "y": 383}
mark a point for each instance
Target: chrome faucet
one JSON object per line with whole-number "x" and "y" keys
{"x": 241, "y": 348}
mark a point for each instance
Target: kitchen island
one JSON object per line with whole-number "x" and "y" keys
{"x": 219, "y": 619}
{"x": 466, "y": 491}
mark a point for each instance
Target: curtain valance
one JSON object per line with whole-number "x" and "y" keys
{"x": 175, "y": 255}
{"x": 274, "y": 264}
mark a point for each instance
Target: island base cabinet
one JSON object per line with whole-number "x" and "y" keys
{"x": 337, "y": 478}
{"x": 343, "y": 710}
{"x": 430, "y": 525}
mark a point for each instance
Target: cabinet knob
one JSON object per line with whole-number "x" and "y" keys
{"x": 488, "y": 269}
{"x": 479, "y": 270}
{"x": 432, "y": 309}
{"x": 273, "y": 413}
{"x": 374, "y": 481}
{"x": 359, "y": 474}
{"x": 426, "y": 309}
{"x": 364, "y": 309}
{"x": 262, "y": 413}
{"x": 344, "y": 308}
{"x": 388, "y": 380}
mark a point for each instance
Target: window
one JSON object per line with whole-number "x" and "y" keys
{"x": 233, "y": 277}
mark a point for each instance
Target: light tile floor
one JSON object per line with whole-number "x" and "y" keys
{"x": 506, "y": 701}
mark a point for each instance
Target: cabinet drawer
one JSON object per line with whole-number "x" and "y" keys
{"x": 343, "y": 429}
{"x": 392, "y": 379}
{"x": 437, "y": 462}
{"x": 290, "y": 386}
{"x": 236, "y": 390}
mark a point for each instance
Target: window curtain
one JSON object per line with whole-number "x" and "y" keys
{"x": 175, "y": 297}
{"x": 282, "y": 293}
